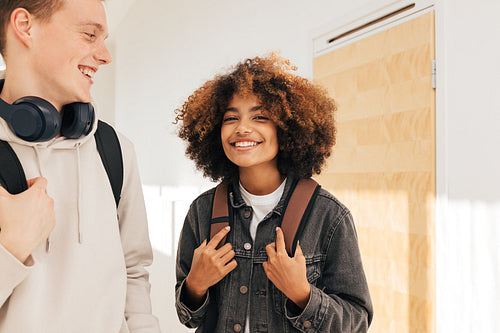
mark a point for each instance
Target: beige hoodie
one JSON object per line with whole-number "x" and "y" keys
{"x": 92, "y": 277}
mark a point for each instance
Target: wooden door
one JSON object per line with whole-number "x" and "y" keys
{"x": 383, "y": 166}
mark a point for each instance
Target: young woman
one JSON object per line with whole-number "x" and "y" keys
{"x": 259, "y": 129}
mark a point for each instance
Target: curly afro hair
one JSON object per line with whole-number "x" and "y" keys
{"x": 301, "y": 110}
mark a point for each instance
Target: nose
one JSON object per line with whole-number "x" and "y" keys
{"x": 243, "y": 127}
{"x": 102, "y": 55}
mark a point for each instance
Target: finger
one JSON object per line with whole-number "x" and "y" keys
{"x": 271, "y": 249}
{"x": 230, "y": 266}
{"x": 37, "y": 182}
{"x": 203, "y": 244}
{"x": 218, "y": 237}
{"x": 228, "y": 256}
{"x": 224, "y": 249}
{"x": 280, "y": 241}
{"x": 298, "y": 251}
{"x": 265, "y": 265}
{"x": 267, "y": 270}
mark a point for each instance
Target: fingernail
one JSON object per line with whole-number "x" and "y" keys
{"x": 227, "y": 228}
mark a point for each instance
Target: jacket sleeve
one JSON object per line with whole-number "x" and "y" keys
{"x": 341, "y": 301}
{"x": 136, "y": 246}
{"x": 13, "y": 273}
{"x": 188, "y": 242}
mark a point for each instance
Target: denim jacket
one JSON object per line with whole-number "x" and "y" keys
{"x": 339, "y": 301}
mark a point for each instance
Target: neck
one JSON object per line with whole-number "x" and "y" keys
{"x": 17, "y": 85}
{"x": 260, "y": 182}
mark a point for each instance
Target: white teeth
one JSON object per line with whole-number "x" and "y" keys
{"x": 245, "y": 144}
{"x": 88, "y": 72}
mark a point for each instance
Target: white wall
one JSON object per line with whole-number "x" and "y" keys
{"x": 167, "y": 49}
{"x": 163, "y": 50}
{"x": 468, "y": 233}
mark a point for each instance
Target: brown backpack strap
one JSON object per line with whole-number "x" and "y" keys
{"x": 296, "y": 211}
{"x": 220, "y": 212}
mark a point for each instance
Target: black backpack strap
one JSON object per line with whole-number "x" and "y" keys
{"x": 220, "y": 212}
{"x": 12, "y": 176}
{"x": 110, "y": 151}
{"x": 297, "y": 212}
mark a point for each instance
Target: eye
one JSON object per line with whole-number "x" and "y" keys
{"x": 229, "y": 118}
{"x": 261, "y": 117}
{"x": 90, "y": 35}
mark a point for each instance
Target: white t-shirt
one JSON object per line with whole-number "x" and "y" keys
{"x": 261, "y": 206}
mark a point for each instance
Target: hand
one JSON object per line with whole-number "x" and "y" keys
{"x": 208, "y": 267}
{"x": 26, "y": 219}
{"x": 288, "y": 274}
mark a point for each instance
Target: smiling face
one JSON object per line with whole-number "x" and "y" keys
{"x": 68, "y": 50}
{"x": 249, "y": 137}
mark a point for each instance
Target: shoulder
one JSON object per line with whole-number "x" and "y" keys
{"x": 127, "y": 148}
{"x": 330, "y": 202}
{"x": 204, "y": 200}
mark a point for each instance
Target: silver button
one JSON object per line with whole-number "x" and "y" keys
{"x": 307, "y": 324}
{"x": 247, "y": 214}
{"x": 237, "y": 327}
{"x": 243, "y": 289}
{"x": 247, "y": 246}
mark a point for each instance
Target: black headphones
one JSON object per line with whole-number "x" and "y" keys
{"x": 35, "y": 119}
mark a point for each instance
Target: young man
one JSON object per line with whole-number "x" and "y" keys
{"x": 71, "y": 260}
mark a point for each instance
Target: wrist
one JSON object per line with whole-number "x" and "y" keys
{"x": 194, "y": 297}
{"x": 12, "y": 248}
{"x": 193, "y": 289}
{"x": 301, "y": 298}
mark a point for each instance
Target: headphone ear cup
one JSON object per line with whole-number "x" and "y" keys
{"x": 77, "y": 119}
{"x": 34, "y": 119}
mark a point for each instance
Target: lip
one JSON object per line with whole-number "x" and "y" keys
{"x": 244, "y": 144}
{"x": 88, "y": 68}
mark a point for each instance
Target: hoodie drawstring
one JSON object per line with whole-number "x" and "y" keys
{"x": 79, "y": 193}
{"x": 39, "y": 164}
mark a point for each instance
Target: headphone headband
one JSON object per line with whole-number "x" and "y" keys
{"x": 34, "y": 119}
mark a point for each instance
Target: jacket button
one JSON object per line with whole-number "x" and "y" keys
{"x": 247, "y": 214}
{"x": 243, "y": 289}
{"x": 307, "y": 324}
{"x": 247, "y": 246}
{"x": 237, "y": 327}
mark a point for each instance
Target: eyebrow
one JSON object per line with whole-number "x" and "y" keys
{"x": 253, "y": 109}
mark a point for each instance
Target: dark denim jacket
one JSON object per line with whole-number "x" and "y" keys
{"x": 340, "y": 300}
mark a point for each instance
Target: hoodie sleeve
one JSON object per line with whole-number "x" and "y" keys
{"x": 13, "y": 273}
{"x": 136, "y": 245}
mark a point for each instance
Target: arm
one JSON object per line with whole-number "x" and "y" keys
{"x": 341, "y": 301}
{"x": 136, "y": 246}
{"x": 26, "y": 221}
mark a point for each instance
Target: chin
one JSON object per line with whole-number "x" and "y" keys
{"x": 83, "y": 98}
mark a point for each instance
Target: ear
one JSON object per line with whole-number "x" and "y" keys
{"x": 21, "y": 22}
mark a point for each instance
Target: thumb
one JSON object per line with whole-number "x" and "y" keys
{"x": 38, "y": 181}
{"x": 298, "y": 251}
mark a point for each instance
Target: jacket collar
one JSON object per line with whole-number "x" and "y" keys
{"x": 236, "y": 200}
